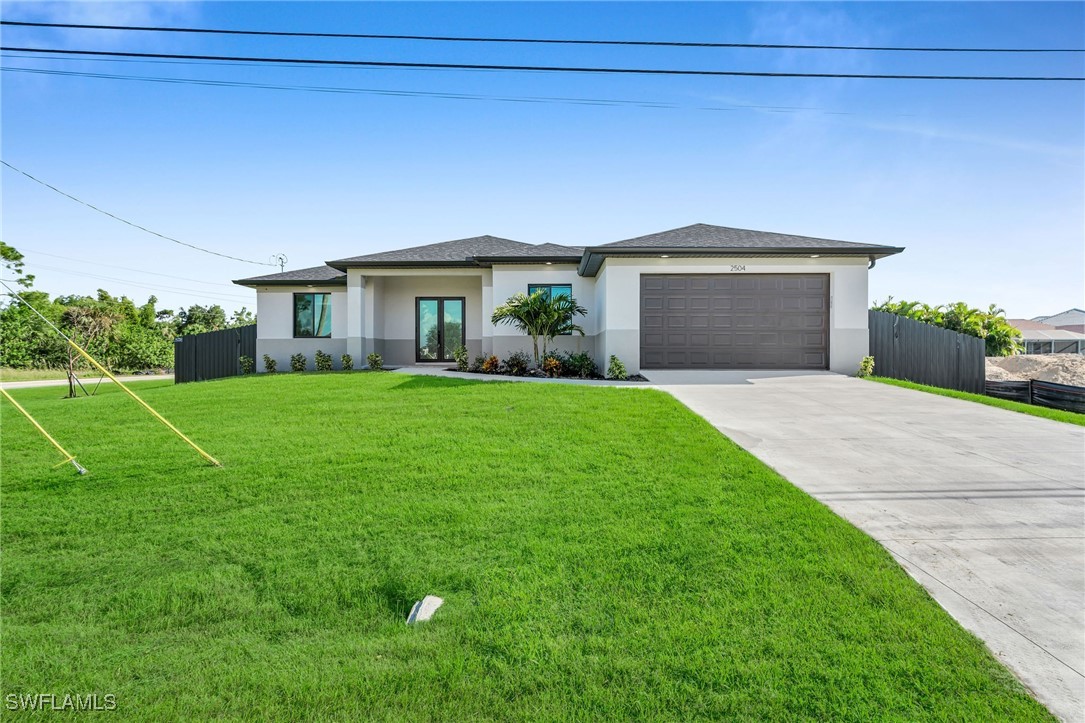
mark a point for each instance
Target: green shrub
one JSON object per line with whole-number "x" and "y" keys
{"x": 866, "y": 367}
{"x": 551, "y": 365}
{"x": 323, "y": 361}
{"x": 579, "y": 365}
{"x": 476, "y": 365}
{"x": 269, "y": 364}
{"x": 616, "y": 370}
{"x": 348, "y": 362}
{"x": 298, "y": 362}
{"x": 248, "y": 364}
{"x": 461, "y": 357}
{"x": 375, "y": 361}
{"x": 517, "y": 364}
{"x": 492, "y": 365}
{"x": 1000, "y": 337}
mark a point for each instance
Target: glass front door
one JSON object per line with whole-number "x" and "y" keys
{"x": 439, "y": 328}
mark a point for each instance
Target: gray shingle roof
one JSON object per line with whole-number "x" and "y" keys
{"x": 460, "y": 251}
{"x": 705, "y": 236}
{"x": 323, "y": 275}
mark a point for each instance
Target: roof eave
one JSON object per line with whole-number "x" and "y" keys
{"x": 594, "y": 256}
{"x": 252, "y": 284}
{"x": 528, "y": 259}
{"x": 344, "y": 264}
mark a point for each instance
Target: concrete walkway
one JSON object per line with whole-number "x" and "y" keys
{"x": 983, "y": 506}
{"x": 88, "y": 381}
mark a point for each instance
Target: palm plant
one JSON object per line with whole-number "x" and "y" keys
{"x": 540, "y": 317}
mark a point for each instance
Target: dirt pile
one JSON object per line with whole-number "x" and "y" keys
{"x": 1058, "y": 368}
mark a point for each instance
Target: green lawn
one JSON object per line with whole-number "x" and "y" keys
{"x": 7, "y": 374}
{"x": 604, "y": 554}
{"x": 1057, "y": 414}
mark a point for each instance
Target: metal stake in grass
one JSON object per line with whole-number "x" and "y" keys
{"x": 68, "y": 457}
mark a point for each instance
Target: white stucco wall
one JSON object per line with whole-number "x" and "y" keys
{"x": 509, "y": 279}
{"x": 618, "y": 294}
{"x": 275, "y": 325}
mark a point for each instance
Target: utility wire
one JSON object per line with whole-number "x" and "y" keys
{"x": 534, "y": 68}
{"x": 540, "y": 41}
{"x": 611, "y": 102}
{"x": 221, "y": 296}
{"x": 130, "y": 223}
{"x": 122, "y": 268}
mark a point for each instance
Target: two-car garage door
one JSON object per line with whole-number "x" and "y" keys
{"x": 734, "y": 321}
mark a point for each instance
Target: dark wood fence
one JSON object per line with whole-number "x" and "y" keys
{"x": 916, "y": 352}
{"x": 212, "y": 355}
{"x": 1045, "y": 394}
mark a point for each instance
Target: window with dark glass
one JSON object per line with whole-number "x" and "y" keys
{"x": 312, "y": 315}
{"x": 551, "y": 291}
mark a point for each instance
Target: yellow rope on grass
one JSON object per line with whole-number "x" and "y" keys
{"x": 70, "y": 457}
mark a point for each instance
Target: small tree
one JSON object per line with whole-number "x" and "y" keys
{"x": 540, "y": 317}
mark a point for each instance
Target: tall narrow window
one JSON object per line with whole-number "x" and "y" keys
{"x": 312, "y": 315}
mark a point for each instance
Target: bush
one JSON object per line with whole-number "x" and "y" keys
{"x": 616, "y": 370}
{"x": 866, "y": 367}
{"x": 1000, "y": 338}
{"x": 375, "y": 361}
{"x": 323, "y": 361}
{"x": 517, "y": 364}
{"x": 348, "y": 362}
{"x": 579, "y": 365}
{"x": 476, "y": 365}
{"x": 460, "y": 355}
{"x": 492, "y": 365}
{"x": 298, "y": 362}
{"x": 551, "y": 365}
{"x": 269, "y": 364}
{"x": 248, "y": 364}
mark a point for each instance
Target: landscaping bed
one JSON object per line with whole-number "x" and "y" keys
{"x": 602, "y": 555}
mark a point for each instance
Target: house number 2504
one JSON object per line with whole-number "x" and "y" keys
{"x": 737, "y": 267}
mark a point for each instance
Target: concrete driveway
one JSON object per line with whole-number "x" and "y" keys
{"x": 983, "y": 506}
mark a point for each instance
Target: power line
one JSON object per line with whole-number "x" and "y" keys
{"x": 540, "y": 41}
{"x": 221, "y": 296}
{"x": 534, "y": 68}
{"x": 613, "y": 102}
{"x": 124, "y": 268}
{"x": 130, "y": 223}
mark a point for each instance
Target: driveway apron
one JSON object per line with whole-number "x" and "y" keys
{"x": 983, "y": 506}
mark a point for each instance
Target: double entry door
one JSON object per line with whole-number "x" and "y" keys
{"x": 439, "y": 327}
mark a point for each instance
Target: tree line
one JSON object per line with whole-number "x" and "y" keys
{"x": 122, "y": 335}
{"x": 1000, "y": 337}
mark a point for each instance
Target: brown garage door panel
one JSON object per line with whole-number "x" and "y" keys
{"x": 734, "y": 321}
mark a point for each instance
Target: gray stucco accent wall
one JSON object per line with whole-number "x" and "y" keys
{"x": 282, "y": 349}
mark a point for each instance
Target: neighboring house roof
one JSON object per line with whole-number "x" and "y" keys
{"x": 703, "y": 239}
{"x": 313, "y": 276}
{"x": 698, "y": 240}
{"x": 463, "y": 252}
{"x": 1029, "y": 325}
{"x": 1051, "y": 334}
{"x": 1070, "y": 317}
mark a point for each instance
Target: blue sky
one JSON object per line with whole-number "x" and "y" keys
{"x": 982, "y": 182}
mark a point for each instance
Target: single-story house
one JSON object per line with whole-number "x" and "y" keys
{"x": 1041, "y": 338}
{"x": 698, "y": 297}
{"x": 1069, "y": 320}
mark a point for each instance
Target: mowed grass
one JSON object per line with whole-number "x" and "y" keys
{"x": 8, "y": 374}
{"x": 603, "y": 554}
{"x": 1059, "y": 415}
